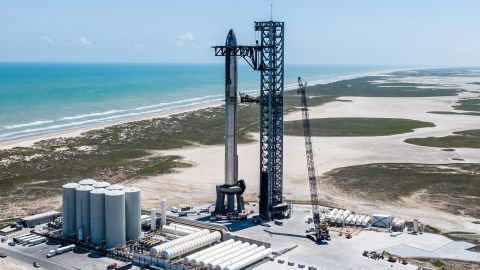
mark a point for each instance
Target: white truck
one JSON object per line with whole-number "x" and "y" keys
{"x": 60, "y": 250}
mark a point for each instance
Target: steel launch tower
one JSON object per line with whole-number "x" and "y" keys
{"x": 267, "y": 57}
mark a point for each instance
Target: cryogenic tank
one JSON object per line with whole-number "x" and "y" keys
{"x": 358, "y": 222}
{"x": 353, "y": 220}
{"x": 133, "y": 213}
{"x": 173, "y": 230}
{"x": 82, "y": 209}
{"x": 114, "y": 218}
{"x": 153, "y": 219}
{"x": 115, "y": 187}
{"x": 87, "y": 182}
{"x": 97, "y": 215}
{"x": 190, "y": 228}
{"x": 348, "y": 219}
{"x": 237, "y": 252}
{"x": 199, "y": 259}
{"x": 207, "y": 250}
{"x": 367, "y": 219}
{"x": 163, "y": 213}
{"x": 157, "y": 249}
{"x": 191, "y": 245}
{"x": 101, "y": 184}
{"x": 241, "y": 257}
{"x": 210, "y": 259}
{"x": 68, "y": 205}
{"x": 247, "y": 261}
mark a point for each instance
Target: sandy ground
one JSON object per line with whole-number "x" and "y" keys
{"x": 10, "y": 265}
{"x": 197, "y": 184}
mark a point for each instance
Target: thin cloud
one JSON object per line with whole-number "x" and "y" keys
{"x": 185, "y": 39}
{"x": 86, "y": 41}
{"x": 466, "y": 48}
{"x": 139, "y": 45}
{"x": 48, "y": 40}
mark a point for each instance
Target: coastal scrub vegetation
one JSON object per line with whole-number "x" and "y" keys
{"x": 355, "y": 126}
{"x": 459, "y": 139}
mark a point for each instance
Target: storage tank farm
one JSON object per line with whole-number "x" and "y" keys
{"x": 115, "y": 218}
{"x": 102, "y": 214}
{"x": 82, "y": 205}
{"x": 68, "y": 203}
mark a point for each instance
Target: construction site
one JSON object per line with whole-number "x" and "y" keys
{"x": 103, "y": 225}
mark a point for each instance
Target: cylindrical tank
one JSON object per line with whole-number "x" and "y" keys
{"x": 199, "y": 259}
{"x": 190, "y": 228}
{"x": 68, "y": 205}
{"x": 234, "y": 253}
{"x": 97, "y": 215}
{"x": 87, "y": 182}
{"x": 82, "y": 205}
{"x": 191, "y": 245}
{"x": 241, "y": 257}
{"x": 157, "y": 249}
{"x": 176, "y": 230}
{"x": 133, "y": 214}
{"x": 101, "y": 184}
{"x": 115, "y": 218}
{"x": 163, "y": 217}
{"x": 249, "y": 260}
{"x": 210, "y": 259}
{"x": 115, "y": 187}
{"x": 207, "y": 250}
{"x": 153, "y": 219}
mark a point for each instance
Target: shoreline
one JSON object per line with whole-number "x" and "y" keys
{"x": 75, "y": 132}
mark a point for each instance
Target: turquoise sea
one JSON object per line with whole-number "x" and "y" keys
{"x": 40, "y": 98}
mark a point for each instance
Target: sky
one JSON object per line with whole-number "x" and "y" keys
{"x": 401, "y": 32}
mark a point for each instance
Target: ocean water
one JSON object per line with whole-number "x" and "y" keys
{"x": 40, "y": 98}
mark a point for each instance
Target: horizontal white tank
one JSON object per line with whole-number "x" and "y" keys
{"x": 101, "y": 184}
{"x": 233, "y": 254}
{"x": 190, "y": 228}
{"x": 156, "y": 250}
{"x": 348, "y": 219}
{"x": 207, "y": 250}
{"x": 115, "y": 218}
{"x": 367, "y": 219}
{"x": 240, "y": 257}
{"x": 191, "y": 245}
{"x": 250, "y": 260}
{"x": 353, "y": 220}
{"x": 68, "y": 213}
{"x": 133, "y": 213}
{"x": 197, "y": 260}
{"x": 87, "y": 182}
{"x": 210, "y": 259}
{"x": 176, "y": 230}
{"x": 82, "y": 205}
{"x": 115, "y": 187}
{"x": 358, "y": 222}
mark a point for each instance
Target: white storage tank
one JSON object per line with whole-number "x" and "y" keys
{"x": 101, "y": 185}
{"x": 163, "y": 213}
{"x": 68, "y": 205}
{"x": 114, "y": 218}
{"x": 97, "y": 215}
{"x": 115, "y": 187}
{"x": 82, "y": 209}
{"x": 133, "y": 214}
{"x": 87, "y": 182}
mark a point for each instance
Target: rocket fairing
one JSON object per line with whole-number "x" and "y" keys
{"x": 231, "y": 87}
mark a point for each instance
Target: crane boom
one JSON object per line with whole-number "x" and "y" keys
{"x": 321, "y": 230}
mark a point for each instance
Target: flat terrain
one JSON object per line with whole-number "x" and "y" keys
{"x": 459, "y": 139}
{"x": 355, "y": 126}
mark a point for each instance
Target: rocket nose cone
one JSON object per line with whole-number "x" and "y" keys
{"x": 231, "y": 39}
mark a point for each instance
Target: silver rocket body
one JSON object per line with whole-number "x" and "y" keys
{"x": 231, "y": 87}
